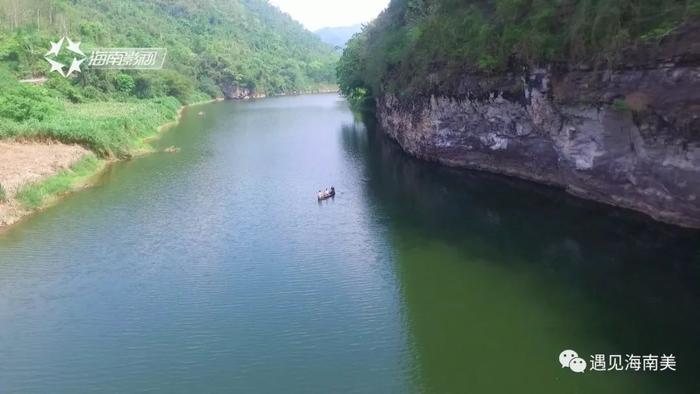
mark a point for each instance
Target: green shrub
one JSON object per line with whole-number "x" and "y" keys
{"x": 3, "y": 194}
{"x": 124, "y": 83}
{"x": 64, "y": 88}
{"x": 209, "y": 87}
{"x": 94, "y": 94}
{"x": 177, "y": 85}
{"x": 25, "y": 102}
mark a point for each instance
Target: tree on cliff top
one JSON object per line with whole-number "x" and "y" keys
{"x": 414, "y": 39}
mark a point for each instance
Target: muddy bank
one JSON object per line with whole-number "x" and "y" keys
{"x": 24, "y": 163}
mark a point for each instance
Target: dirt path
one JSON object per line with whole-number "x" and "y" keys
{"x": 22, "y": 163}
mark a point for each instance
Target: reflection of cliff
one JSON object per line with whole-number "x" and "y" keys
{"x": 497, "y": 275}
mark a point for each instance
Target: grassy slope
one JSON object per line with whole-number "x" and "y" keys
{"x": 109, "y": 128}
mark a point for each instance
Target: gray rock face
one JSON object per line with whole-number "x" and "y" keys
{"x": 235, "y": 92}
{"x": 627, "y": 135}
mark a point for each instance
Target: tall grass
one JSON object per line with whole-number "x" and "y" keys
{"x": 34, "y": 196}
{"x": 3, "y": 194}
{"x": 107, "y": 128}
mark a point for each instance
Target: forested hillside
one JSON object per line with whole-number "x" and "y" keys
{"x": 209, "y": 43}
{"x": 414, "y": 39}
{"x": 244, "y": 46}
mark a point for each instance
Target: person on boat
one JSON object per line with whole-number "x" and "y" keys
{"x": 332, "y": 189}
{"x": 320, "y": 194}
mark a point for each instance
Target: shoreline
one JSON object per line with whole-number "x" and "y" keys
{"x": 76, "y": 178}
{"x": 79, "y": 181}
{"x": 165, "y": 126}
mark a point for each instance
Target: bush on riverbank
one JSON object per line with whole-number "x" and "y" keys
{"x": 3, "y": 194}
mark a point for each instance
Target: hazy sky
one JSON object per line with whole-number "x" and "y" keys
{"x": 315, "y": 14}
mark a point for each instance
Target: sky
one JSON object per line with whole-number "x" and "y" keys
{"x": 315, "y": 14}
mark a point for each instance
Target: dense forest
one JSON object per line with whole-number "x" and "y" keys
{"x": 416, "y": 39}
{"x": 211, "y": 44}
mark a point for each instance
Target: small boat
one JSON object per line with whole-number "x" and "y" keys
{"x": 326, "y": 195}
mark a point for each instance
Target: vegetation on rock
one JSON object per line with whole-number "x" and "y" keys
{"x": 419, "y": 42}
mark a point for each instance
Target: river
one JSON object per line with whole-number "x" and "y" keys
{"x": 215, "y": 269}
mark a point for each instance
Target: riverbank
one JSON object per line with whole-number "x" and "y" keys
{"x": 31, "y": 163}
{"x": 37, "y": 173}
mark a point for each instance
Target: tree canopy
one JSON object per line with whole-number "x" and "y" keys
{"x": 209, "y": 43}
{"x": 414, "y": 41}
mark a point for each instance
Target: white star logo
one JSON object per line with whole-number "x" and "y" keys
{"x": 56, "y": 49}
{"x": 56, "y": 66}
{"x": 75, "y": 47}
{"x": 75, "y": 66}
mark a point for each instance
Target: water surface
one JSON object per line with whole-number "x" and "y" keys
{"x": 215, "y": 270}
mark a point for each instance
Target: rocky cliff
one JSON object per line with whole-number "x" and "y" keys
{"x": 234, "y": 91}
{"x": 627, "y": 134}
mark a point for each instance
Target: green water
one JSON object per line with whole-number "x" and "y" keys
{"x": 216, "y": 270}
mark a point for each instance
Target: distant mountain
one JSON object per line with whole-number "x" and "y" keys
{"x": 338, "y": 36}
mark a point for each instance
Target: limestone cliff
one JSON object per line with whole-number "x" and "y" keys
{"x": 626, "y": 134}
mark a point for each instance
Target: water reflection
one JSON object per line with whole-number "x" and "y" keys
{"x": 215, "y": 268}
{"x": 499, "y": 275}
